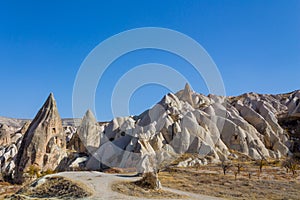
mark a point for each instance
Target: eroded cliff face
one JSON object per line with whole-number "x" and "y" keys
{"x": 11, "y": 134}
{"x": 44, "y": 143}
{"x": 291, "y": 124}
{"x": 187, "y": 122}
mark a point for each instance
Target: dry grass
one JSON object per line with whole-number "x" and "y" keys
{"x": 132, "y": 189}
{"x": 55, "y": 187}
{"x": 184, "y": 157}
{"x": 7, "y": 189}
{"x": 272, "y": 183}
{"x": 113, "y": 171}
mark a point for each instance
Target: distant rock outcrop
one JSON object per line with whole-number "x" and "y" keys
{"x": 87, "y": 137}
{"x": 4, "y": 135}
{"x": 44, "y": 143}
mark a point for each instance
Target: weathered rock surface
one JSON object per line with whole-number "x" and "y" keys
{"x": 87, "y": 137}
{"x": 10, "y": 141}
{"x": 13, "y": 123}
{"x": 44, "y": 144}
{"x": 188, "y": 122}
{"x": 4, "y": 135}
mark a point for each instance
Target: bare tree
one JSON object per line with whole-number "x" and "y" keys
{"x": 290, "y": 165}
{"x": 239, "y": 167}
{"x": 225, "y": 166}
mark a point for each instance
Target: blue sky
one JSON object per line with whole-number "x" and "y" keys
{"x": 255, "y": 44}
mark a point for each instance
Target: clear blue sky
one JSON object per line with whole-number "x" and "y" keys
{"x": 255, "y": 44}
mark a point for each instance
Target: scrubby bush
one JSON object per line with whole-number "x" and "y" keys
{"x": 47, "y": 172}
{"x": 290, "y": 164}
{"x": 149, "y": 181}
{"x": 33, "y": 171}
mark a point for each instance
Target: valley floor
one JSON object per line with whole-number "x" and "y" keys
{"x": 101, "y": 185}
{"x": 203, "y": 182}
{"x": 272, "y": 183}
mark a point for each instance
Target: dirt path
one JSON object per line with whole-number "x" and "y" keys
{"x": 101, "y": 183}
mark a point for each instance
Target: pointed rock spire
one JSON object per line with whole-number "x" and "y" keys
{"x": 187, "y": 88}
{"x": 44, "y": 144}
{"x": 89, "y": 117}
{"x": 186, "y": 94}
{"x": 87, "y": 137}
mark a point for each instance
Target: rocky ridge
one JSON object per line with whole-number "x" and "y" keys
{"x": 187, "y": 122}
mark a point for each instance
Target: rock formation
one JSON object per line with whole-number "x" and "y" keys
{"x": 87, "y": 137}
{"x": 44, "y": 144}
{"x": 256, "y": 125}
{"x": 187, "y": 122}
{"x": 10, "y": 140}
{"x": 4, "y": 135}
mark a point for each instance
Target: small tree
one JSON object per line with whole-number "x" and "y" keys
{"x": 239, "y": 167}
{"x": 293, "y": 168}
{"x": 285, "y": 164}
{"x": 249, "y": 175}
{"x": 235, "y": 175}
{"x": 290, "y": 165}
{"x": 262, "y": 163}
{"x": 225, "y": 166}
